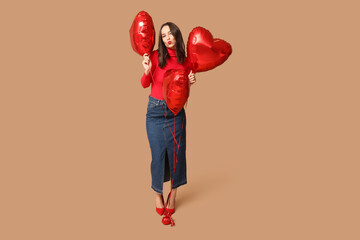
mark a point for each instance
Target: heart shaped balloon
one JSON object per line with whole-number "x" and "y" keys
{"x": 205, "y": 52}
{"x": 176, "y": 89}
{"x": 142, "y": 33}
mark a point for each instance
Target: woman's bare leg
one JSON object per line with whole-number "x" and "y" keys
{"x": 171, "y": 204}
{"x": 159, "y": 200}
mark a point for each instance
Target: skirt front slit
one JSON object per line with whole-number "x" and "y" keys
{"x": 166, "y": 152}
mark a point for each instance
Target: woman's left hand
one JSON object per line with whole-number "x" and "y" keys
{"x": 192, "y": 78}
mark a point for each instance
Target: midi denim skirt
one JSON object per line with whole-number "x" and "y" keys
{"x": 165, "y": 151}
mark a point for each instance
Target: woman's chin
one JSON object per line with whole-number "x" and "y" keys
{"x": 170, "y": 46}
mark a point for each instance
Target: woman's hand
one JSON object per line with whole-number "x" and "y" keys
{"x": 146, "y": 63}
{"x": 192, "y": 78}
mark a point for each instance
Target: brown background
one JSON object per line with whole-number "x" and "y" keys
{"x": 273, "y": 133}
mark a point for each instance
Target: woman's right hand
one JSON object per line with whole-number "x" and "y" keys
{"x": 146, "y": 63}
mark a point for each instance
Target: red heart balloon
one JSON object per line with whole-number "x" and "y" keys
{"x": 142, "y": 33}
{"x": 205, "y": 52}
{"x": 176, "y": 89}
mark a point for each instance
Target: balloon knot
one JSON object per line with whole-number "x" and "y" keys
{"x": 167, "y": 219}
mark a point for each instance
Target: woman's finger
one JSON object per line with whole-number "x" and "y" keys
{"x": 147, "y": 61}
{"x": 191, "y": 74}
{"x": 146, "y": 58}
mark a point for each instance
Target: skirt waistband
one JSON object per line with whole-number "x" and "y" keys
{"x": 156, "y": 101}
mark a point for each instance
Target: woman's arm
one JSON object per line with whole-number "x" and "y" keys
{"x": 149, "y": 69}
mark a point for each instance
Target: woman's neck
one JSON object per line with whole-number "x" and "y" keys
{"x": 172, "y": 52}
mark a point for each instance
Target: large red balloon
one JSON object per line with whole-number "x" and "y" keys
{"x": 176, "y": 89}
{"x": 142, "y": 33}
{"x": 205, "y": 52}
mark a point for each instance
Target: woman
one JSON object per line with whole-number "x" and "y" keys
{"x": 160, "y": 120}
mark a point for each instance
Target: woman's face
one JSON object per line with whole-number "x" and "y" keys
{"x": 167, "y": 37}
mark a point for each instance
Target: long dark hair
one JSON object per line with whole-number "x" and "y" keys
{"x": 179, "y": 45}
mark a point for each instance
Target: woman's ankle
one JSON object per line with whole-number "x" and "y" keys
{"x": 159, "y": 200}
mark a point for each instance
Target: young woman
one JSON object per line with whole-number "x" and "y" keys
{"x": 160, "y": 120}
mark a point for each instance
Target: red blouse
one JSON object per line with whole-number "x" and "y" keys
{"x": 158, "y": 73}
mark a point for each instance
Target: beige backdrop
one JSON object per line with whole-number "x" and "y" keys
{"x": 273, "y": 133}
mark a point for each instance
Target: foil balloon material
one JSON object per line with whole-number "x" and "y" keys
{"x": 205, "y": 52}
{"x": 142, "y": 33}
{"x": 176, "y": 89}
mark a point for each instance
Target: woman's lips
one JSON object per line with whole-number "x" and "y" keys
{"x": 169, "y": 42}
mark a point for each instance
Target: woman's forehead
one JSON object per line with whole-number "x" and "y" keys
{"x": 165, "y": 29}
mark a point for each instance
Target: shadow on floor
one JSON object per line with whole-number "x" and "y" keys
{"x": 203, "y": 187}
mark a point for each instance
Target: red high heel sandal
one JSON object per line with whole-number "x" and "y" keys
{"x": 161, "y": 211}
{"x": 167, "y": 219}
{"x": 172, "y": 210}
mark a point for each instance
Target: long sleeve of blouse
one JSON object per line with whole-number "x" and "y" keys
{"x": 147, "y": 79}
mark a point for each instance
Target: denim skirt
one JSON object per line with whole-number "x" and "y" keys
{"x": 162, "y": 126}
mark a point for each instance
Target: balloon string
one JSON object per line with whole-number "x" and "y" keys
{"x": 152, "y": 78}
{"x": 175, "y": 156}
{"x": 173, "y": 134}
{"x": 182, "y": 126}
{"x": 167, "y": 214}
{"x": 187, "y": 100}
{"x": 173, "y": 177}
